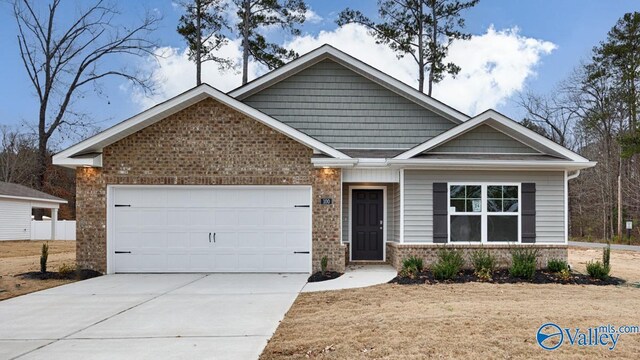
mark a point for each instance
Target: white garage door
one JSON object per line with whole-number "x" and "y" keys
{"x": 210, "y": 229}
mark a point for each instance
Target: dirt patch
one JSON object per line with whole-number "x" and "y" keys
{"x": 624, "y": 264}
{"x": 18, "y": 257}
{"x": 502, "y": 276}
{"x": 82, "y": 274}
{"x": 464, "y": 321}
{"x": 328, "y": 275}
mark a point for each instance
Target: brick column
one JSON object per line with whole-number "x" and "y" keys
{"x": 326, "y": 219}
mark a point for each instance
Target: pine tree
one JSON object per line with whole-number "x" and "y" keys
{"x": 423, "y": 29}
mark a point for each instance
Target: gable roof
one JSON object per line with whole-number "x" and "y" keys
{"x": 329, "y": 52}
{"x": 503, "y": 124}
{"x": 88, "y": 152}
{"x": 21, "y": 192}
{"x": 483, "y": 139}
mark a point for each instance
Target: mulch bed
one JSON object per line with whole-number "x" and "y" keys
{"x": 82, "y": 274}
{"x": 328, "y": 275}
{"x": 502, "y": 277}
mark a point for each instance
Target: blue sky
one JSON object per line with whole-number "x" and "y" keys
{"x": 573, "y": 26}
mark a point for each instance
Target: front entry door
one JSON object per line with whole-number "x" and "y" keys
{"x": 367, "y": 225}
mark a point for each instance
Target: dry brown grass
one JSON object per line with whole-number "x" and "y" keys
{"x": 472, "y": 320}
{"x": 624, "y": 264}
{"x": 17, "y": 257}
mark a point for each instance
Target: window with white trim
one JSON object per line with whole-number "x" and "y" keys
{"x": 481, "y": 213}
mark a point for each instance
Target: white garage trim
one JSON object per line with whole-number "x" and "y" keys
{"x": 110, "y": 216}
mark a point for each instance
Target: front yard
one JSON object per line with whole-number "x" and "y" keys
{"x": 17, "y": 257}
{"x": 473, "y": 320}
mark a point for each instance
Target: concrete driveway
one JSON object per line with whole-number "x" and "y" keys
{"x": 149, "y": 316}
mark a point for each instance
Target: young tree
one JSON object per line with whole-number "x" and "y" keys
{"x": 423, "y": 29}
{"x": 17, "y": 156}
{"x": 62, "y": 59}
{"x": 202, "y": 26}
{"x": 256, "y": 14}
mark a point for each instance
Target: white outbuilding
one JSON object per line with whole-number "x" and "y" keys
{"x": 16, "y": 205}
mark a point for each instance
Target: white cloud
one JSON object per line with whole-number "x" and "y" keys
{"x": 495, "y": 65}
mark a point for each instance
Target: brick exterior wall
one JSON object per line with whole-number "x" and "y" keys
{"x": 207, "y": 143}
{"x": 429, "y": 252}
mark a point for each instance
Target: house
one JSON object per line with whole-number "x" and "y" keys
{"x": 16, "y": 205}
{"x": 325, "y": 156}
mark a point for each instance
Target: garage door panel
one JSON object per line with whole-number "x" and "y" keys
{"x": 167, "y": 229}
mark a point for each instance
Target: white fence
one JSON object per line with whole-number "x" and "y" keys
{"x": 41, "y": 230}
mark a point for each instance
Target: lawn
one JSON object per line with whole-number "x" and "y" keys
{"x": 472, "y": 320}
{"x": 17, "y": 257}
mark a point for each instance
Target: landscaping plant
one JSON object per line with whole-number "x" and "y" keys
{"x": 564, "y": 274}
{"x": 43, "y": 258}
{"x": 606, "y": 256}
{"x": 523, "y": 263}
{"x": 597, "y": 270}
{"x": 323, "y": 264}
{"x": 557, "y": 265}
{"x": 483, "y": 264}
{"x": 449, "y": 264}
{"x": 412, "y": 266}
{"x": 66, "y": 270}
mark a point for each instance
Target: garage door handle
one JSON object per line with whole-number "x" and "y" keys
{"x": 300, "y": 252}
{"x": 123, "y": 252}
{"x": 214, "y": 237}
{"x": 300, "y": 205}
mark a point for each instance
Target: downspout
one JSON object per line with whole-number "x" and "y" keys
{"x": 574, "y": 175}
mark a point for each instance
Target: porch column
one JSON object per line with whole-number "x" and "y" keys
{"x": 54, "y": 220}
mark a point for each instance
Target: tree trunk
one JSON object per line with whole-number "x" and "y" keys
{"x": 199, "y": 42}
{"x": 420, "y": 49}
{"x": 245, "y": 42}
{"x": 434, "y": 44}
{"x": 620, "y": 204}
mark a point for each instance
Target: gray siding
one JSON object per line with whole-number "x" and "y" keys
{"x": 393, "y": 211}
{"x": 418, "y": 210}
{"x": 346, "y": 110}
{"x": 484, "y": 139}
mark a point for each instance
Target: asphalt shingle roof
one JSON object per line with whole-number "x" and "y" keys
{"x": 16, "y": 190}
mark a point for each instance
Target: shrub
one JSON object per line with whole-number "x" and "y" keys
{"x": 597, "y": 270}
{"x": 523, "y": 263}
{"x": 483, "y": 264}
{"x": 411, "y": 266}
{"x": 66, "y": 270}
{"x": 449, "y": 264}
{"x": 606, "y": 256}
{"x": 323, "y": 264}
{"x": 557, "y": 265}
{"x": 564, "y": 274}
{"x": 43, "y": 258}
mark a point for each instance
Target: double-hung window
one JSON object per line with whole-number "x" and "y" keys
{"x": 488, "y": 212}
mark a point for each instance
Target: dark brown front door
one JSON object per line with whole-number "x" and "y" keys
{"x": 366, "y": 225}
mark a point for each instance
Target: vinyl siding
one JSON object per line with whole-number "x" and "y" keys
{"x": 346, "y": 110}
{"x": 418, "y": 208}
{"x": 15, "y": 220}
{"x": 393, "y": 211}
{"x": 484, "y": 139}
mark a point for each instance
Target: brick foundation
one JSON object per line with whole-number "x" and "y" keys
{"x": 207, "y": 143}
{"x": 429, "y": 252}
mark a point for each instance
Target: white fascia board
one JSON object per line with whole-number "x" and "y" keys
{"x": 25, "y": 198}
{"x": 180, "y": 102}
{"x": 373, "y": 74}
{"x": 457, "y": 164}
{"x": 503, "y": 120}
{"x": 74, "y": 162}
{"x": 335, "y": 163}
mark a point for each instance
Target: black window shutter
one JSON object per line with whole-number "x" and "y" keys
{"x": 528, "y": 209}
{"x": 440, "y": 211}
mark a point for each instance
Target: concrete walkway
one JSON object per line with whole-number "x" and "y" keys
{"x": 602, "y": 245}
{"x": 355, "y": 276}
{"x": 149, "y": 316}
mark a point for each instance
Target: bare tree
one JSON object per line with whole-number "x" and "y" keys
{"x": 17, "y": 156}
{"x": 64, "y": 59}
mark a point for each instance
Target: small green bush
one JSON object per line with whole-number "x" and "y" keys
{"x": 411, "y": 266}
{"x": 598, "y": 270}
{"x": 606, "y": 256}
{"x": 557, "y": 265}
{"x": 449, "y": 264}
{"x": 564, "y": 274}
{"x": 483, "y": 264}
{"x": 323, "y": 264}
{"x": 523, "y": 263}
{"x": 43, "y": 258}
{"x": 66, "y": 270}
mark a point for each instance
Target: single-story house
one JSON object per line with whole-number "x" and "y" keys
{"x": 325, "y": 156}
{"x": 16, "y": 206}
